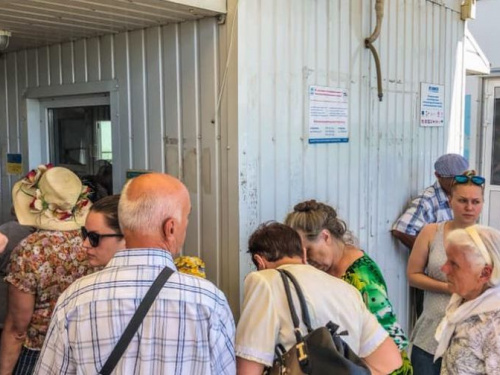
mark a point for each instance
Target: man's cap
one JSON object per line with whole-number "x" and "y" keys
{"x": 450, "y": 165}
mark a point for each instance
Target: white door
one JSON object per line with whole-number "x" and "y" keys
{"x": 491, "y": 153}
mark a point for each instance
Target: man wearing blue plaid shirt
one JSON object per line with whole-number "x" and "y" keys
{"x": 431, "y": 206}
{"x": 189, "y": 329}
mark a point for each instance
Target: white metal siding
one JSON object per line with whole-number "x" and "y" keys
{"x": 168, "y": 82}
{"x": 35, "y": 23}
{"x": 292, "y": 44}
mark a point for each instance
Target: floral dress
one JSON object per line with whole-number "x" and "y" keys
{"x": 365, "y": 276}
{"x": 44, "y": 264}
{"x": 475, "y": 347}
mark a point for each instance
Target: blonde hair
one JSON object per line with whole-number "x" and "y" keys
{"x": 311, "y": 217}
{"x": 469, "y": 173}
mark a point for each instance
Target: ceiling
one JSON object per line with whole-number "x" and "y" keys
{"x": 35, "y": 23}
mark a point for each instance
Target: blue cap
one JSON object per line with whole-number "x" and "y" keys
{"x": 450, "y": 165}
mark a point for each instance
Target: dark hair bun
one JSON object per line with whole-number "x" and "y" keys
{"x": 307, "y": 206}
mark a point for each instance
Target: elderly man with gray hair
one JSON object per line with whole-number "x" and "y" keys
{"x": 189, "y": 329}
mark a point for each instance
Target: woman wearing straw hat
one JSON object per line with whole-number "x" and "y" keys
{"x": 53, "y": 200}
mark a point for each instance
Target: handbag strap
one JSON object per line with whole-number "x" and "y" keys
{"x": 136, "y": 321}
{"x": 285, "y": 275}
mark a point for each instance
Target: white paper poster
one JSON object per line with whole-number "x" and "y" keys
{"x": 431, "y": 105}
{"x": 328, "y": 115}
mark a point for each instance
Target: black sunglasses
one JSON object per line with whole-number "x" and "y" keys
{"x": 94, "y": 237}
{"x": 476, "y": 180}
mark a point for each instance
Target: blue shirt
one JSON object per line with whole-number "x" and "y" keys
{"x": 431, "y": 206}
{"x": 188, "y": 330}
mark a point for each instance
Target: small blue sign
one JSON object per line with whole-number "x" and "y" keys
{"x": 14, "y": 164}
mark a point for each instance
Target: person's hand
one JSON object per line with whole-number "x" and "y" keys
{"x": 3, "y": 242}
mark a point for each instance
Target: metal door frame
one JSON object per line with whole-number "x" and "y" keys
{"x": 65, "y": 102}
{"x": 486, "y": 140}
{"x": 38, "y": 135}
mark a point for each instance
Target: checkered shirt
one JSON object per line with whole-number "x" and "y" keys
{"x": 189, "y": 329}
{"x": 429, "y": 207}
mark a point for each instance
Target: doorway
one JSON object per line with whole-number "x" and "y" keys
{"x": 80, "y": 138}
{"x": 79, "y": 134}
{"x": 491, "y": 153}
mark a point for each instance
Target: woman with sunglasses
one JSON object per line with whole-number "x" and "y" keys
{"x": 424, "y": 267}
{"x": 101, "y": 233}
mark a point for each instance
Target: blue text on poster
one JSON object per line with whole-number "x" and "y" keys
{"x": 431, "y": 104}
{"x": 328, "y": 115}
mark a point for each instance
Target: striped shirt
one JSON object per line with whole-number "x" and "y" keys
{"x": 188, "y": 330}
{"x": 431, "y": 206}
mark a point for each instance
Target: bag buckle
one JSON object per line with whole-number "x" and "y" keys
{"x": 303, "y": 356}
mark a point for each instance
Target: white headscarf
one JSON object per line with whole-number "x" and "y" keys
{"x": 457, "y": 312}
{"x": 486, "y": 241}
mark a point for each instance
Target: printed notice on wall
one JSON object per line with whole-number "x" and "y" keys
{"x": 328, "y": 115}
{"x": 14, "y": 164}
{"x": 431, "y": 105}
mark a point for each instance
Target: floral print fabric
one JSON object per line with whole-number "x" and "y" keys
{"x": 475, "y": 347}
{"x": 190, "y": 265}
{"x": 44, "y": 264}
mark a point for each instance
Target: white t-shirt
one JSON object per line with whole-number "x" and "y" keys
{"x": 265, "y": 319}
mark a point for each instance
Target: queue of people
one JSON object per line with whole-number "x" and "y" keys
{"x": 78, "y": 280}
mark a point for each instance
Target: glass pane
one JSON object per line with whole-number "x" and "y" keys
{"x": 81, "y": 138}
{"x": 495, "y": 157}
{"x": 103, "y": 136}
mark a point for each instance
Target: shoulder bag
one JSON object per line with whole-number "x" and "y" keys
{"x": 320, "y": 351}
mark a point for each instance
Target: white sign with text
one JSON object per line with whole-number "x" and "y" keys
{"x": 328, "y": 115}
{"x": 431, "y": 105}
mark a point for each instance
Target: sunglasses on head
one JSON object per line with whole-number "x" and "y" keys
{"x": 462, "y": 179}
{"x": 94, "y": 237}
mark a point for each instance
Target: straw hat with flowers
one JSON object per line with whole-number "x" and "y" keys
{"x": 51, "y": 198}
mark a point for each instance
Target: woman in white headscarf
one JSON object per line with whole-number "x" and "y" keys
{"x": 468, "y": 335}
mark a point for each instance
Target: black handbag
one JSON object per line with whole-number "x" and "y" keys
{"x": 322, "y": 351}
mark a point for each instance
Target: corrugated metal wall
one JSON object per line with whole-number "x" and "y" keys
{"x": 291, "y": 44}
{"x": 168, "y": 84}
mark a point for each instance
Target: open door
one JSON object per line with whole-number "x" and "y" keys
{"x": 491, "y": 153}
{"x": 79, "y": 133}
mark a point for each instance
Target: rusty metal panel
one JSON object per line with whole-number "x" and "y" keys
{"x": 291, "y": 45}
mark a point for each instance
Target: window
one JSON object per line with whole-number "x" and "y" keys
{"x": 81, "y": 138}
{"x": 495, "y": 153}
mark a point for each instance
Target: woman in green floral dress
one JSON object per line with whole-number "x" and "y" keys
{"x": 329, "y": 248}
